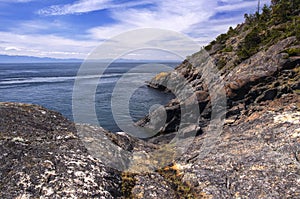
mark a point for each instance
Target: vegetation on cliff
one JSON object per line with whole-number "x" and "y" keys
{"x": 276, "y": 22}
{"x": 259, "y": 63}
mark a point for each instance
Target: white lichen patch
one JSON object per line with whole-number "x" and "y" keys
{"x": 18, "y": 139}
{"x": 289, "y": 117}
{"x": 59, "y": 137}
{"x": 24, "y": 180}
{"x": 48, "y": 191}
{"x": 296, "y": 133}
{"x": 48, "y": 164}
{"x": 50, "y": 173}
{"x": 23, "y": 196}
{"x": 70, "y": 135}
{"x": 79, "y": 174}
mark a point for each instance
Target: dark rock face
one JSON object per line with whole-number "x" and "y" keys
{"x": 41, "y": 155}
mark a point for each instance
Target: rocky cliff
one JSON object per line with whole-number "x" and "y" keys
{"x": 256, "y": 153}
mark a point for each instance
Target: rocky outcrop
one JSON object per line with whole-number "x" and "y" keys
{"x": 42, "y": 156}
{"x": 265, "y": 76}
{"x": 256, "y": 156}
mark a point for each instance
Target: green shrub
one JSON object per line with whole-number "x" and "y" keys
{"x": 297, "y": 32}
{"x": 271, "y": 37}
{"x": 228, "y": 49}
{"x": 222, "y": 38}
{"x": 208, "y": 47}
{"x": 293, "y": 51}
{"x": 250, "y": 45}
{"x": 221, "y": 63}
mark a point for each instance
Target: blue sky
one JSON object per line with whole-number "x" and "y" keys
{"x": 72, "y": 29}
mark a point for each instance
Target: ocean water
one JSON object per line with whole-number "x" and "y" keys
{"x": 51, "y": 85}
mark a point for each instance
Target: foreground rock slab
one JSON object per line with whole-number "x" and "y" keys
{"x": 41, "y": 156}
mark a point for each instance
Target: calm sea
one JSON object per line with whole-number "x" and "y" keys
{"x": 51, "y": 85}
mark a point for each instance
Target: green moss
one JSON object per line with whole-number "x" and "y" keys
{"x": 297, "y": 91}
{"x": 128, "y": 182}
{"x": 172, "y": 176}
{"x": 297, "y": 70}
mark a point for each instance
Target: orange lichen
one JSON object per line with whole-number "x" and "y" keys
{"x": 160, "y": 75}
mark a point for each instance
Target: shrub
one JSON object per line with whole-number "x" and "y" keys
{"x": 228, "y": 49}
{"x": 293, "y": 51}
{"x": 221, "y": 63}
{"x": 222, "y": 38}
{"x": 297, "y": 32}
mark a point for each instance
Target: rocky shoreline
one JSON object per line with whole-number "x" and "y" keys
{"x": 255, "y": 153}
{"x": 256, "y": 156}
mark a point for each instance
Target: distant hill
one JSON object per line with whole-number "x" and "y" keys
{"x": 30, "y": 59}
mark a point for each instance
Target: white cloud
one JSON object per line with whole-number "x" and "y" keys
{"x": 43, "y": 46}
{"x": 238, "y": 5}
{"x": 11, "y": 48}
{"x": 192, "y": 17}
{"x": 83, "y": 6}
{"x": 177, "y": 16}
{"x": 37, "y": 25}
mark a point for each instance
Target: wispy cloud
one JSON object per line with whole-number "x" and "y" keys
{"x": 43, "y": 46}
{"x": 201, "y": 20}
{"x": 238, "y": 5}
{"x": 84, "y": 6}
{"x": 177, "y": 16}
{"x": 35, "y": 26}
{"x": 194, "y": 17}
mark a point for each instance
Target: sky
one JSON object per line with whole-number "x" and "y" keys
{"x": 74, "y": 28}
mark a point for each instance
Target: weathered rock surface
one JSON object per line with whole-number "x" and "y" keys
{"x": 42, "y": 156}
{"x": 257, "y": 153}
{"x": 257, "y": 156}
{"x": 265, "y": 76}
